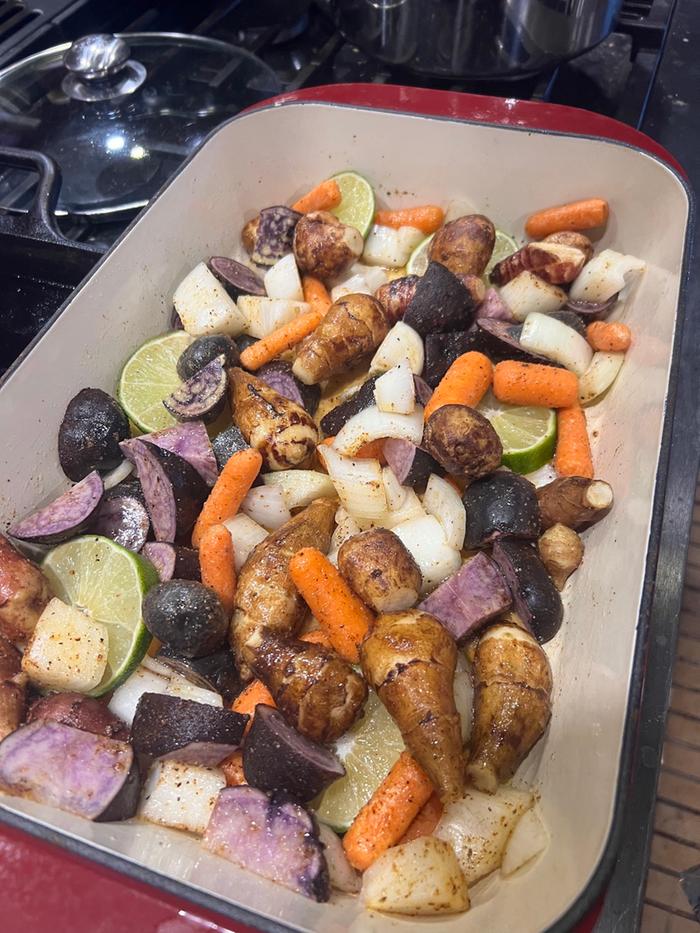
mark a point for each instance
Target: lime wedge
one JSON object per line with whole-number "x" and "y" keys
{"x": 108, "y": 582}
{"x": 148, "y": 377}
{"x": 357, "y": 205}
{"x": 504, "y": 246}
{"x": 368, "y": 752}
{"x": 528, "y": 435}
{"x": 418, "y": 260}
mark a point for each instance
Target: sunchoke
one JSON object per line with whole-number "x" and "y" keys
{"x": 561, "y": 551}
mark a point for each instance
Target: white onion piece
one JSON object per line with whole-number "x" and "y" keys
{"x": 528, "y": 840}
{"x": 374, "y": 276}
{"x": 342, "y": 875}
{"x": 527, "y": 292}
{"x": 557, "y": 341}
{"x": 395, "y": 492}
{"x": 358, "y": 483}
{"x": 204, "y": 305}
{"x": 263, "y": 315}
{"x": 443, "y": 501}
{"x": 345, "y": 527}
{"x": 117, "y": 475}
{"x": 300, "y": 487}
{"x": 267, "y": 506}
{"x": 246, "y": 535}
{"x": 605, "y": 275}
{"x": 395, "y": 391}
{"x": 425, "y": 539}
{"x": 282, "y": 280}
{"x": 410, "y": 508}
{"x": 370, "y": 424}
{"x": 401, "y": 343}
{"x": 355, "y": 285}
{"x": 599, "y": 376}
{"x": 388, "y": 247}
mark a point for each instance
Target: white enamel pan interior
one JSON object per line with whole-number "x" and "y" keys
{"x": 269, "y": 157}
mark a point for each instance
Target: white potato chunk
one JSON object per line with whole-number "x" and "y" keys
{"x": 528, "y": 840}
{"x": 180, "y": 796}
{"x": 418, "y": 878}
{"x": 67, "y": 650}
{"x": 204, "y": 305}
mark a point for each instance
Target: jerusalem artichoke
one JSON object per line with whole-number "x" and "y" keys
{"x": 561, "y": 551}
{"x": 574, "y": 501}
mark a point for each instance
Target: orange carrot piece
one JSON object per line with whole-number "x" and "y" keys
{"x": 317, "y": 637}
{"x": 281, "y": 339}
{"x": 316, "y": 294}
{"x": 426, "y": 218}
{"x": 389, "y": 813}
{"x": 465, "y": 383}
{"x": 372, "y": 450}
{"x": 573, "y": 454}
{"x": 246, "y": 701}
{"x": 323, "y": 197}
{"x": 611, "y": 336}
{"x": 217, "y": 565}
{"x": 233, "y": 769}
{"x": 534, "y": 384}
{"x": 340, "y": 613}
{"x": 228, "y": 491}
{"x": 578, "y": 215}
{"x": 426, "y": 821}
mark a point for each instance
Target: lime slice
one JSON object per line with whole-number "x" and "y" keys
{"x": 108, "y": 582}
{"x": 357, "y": 205}
{"x": 528, "y": 435}
{"x": 418, "y": 260}
{"x": 368, "y": 752}
{"x": 504, "y": 246}
{"x": 148, "y": 377}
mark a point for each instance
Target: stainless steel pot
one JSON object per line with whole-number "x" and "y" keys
{"x": 475, "y": 38}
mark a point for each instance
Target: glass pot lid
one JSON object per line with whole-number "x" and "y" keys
{"x": 120, "y": 113}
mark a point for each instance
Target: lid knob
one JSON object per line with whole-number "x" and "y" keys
{"x": 97, "y": 57}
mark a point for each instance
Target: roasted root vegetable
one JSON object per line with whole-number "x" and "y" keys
{"x": 501, "y": 504}
{"x": 535, "y": 598}
{"x": 352, "y": 327}
{"x": 427, "y": 218}
{"x": 186, "y": 616}
{"x": 324, "y": 247}
{"x": 528, "y": 840}
{"x": 191, "y": 442}
{"x": 380, "y": 569}
{"x": 419, "y": 878}
{"x": 556, "y": 263}
{"x": 122, "y": 516}
{"x": 272, "y": 836}
{"x": 574, "y": 501}
{"x": 396, "y": 295}
{"x": 410, "y": 661}
{"x": 464, "y": 245}
{"x": 270, "y": 236}
{"x": 24, "y": 593}
{"x": 204, "y": 305}
{"x": 512, "y": 704}
{"x": 202, "y": 351}
{"x": 81, "y": 712}
{"x": 236, "y": 278}
{"x": 573, "y": 455}
{"x": 440, "y": 302}
{"x": 465, "y": 383}
{"x": 89, "y": 435}
{"x": 572, "y": 238}
{"x": 237, "y": 476}
{"x": 68, "y": 515}
{"x": 531, "y": 384}
{"x": 181, "y": 796}
{"x": 323, "y": 197}
{"x": 561, "y": 551}
{"x": 577, "y": 215}
{"x": 203, "y": 396}
{"x": 611, "y": 336}
{"x": 173, "y": 562}
{"x": 411, "y": 465}
{"x": 462, "y": 441}
{"x": 278, "y": 375}
{"x": 13, "y": 688}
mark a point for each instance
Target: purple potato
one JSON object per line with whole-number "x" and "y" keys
{"x": 571, "y": 319}
{"x": 504, "y": 503}
{"x": 277, "y": 757}
{"x": 172, "y": 561}
{"x": 122, "y": 518}
{"x": 423, "y": 391}
{"x": 89, "y": 775}
{"x": 236, "y": 278}
{"x": 215, "y": 672}
{"x": 274, "y": 234}
{"x": 89, "y": 435}
{"x": 81, "y": 712}
{"x": 441, "y": 350}
{"x": 186, "y": 616}
{"x": 469, "y": 598}
{"x": 189, "y": 441}
{"x": 65, "y": 517}
{"x": 278, "y": 375}
{"x": 203, "y": 350}
{"x": 410, "y": 465}
{"x": 592, "y": 310}
{"x": 274, "y": 836}
{"x": 535, "y": 597}
{"x": 441, "y": 303}
{"x": 494, "y": 308}
{"x": 174, "y": 490}
{"x": 227, "y": 443}
{"x": 500, "y": 341}
{"x": 334, "y": 420}
{"x": 203, "y": 396}
{"x": 183, "y": 730}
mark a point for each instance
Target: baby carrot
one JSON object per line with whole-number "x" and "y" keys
{"x": 323, "y": 197}
{"x": 612, "y": 337}
{"x": 340, "y": 613}
{"x": 246, "y": 701}
{"x": 372, "y": 450}
{"x": 216, "y": 564}
{"x": 281, "y": 339}
{"x": 388, "y": 814}
{"x": 573, "y": 454}
{"x": 317, "y": 637}
{"x": 228, "y": 491}
{"x": 578, "y": 215}
{"x": 426, "y": 218}
{"x": 465, "y": 383}
{"x": 316, "y": 294}
{"x": 534, "y": 384}
{"x": 426, "y": 821}
{"x": 233, "y": 769}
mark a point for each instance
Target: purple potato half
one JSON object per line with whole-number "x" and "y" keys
{"x": 65, "y": 517}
